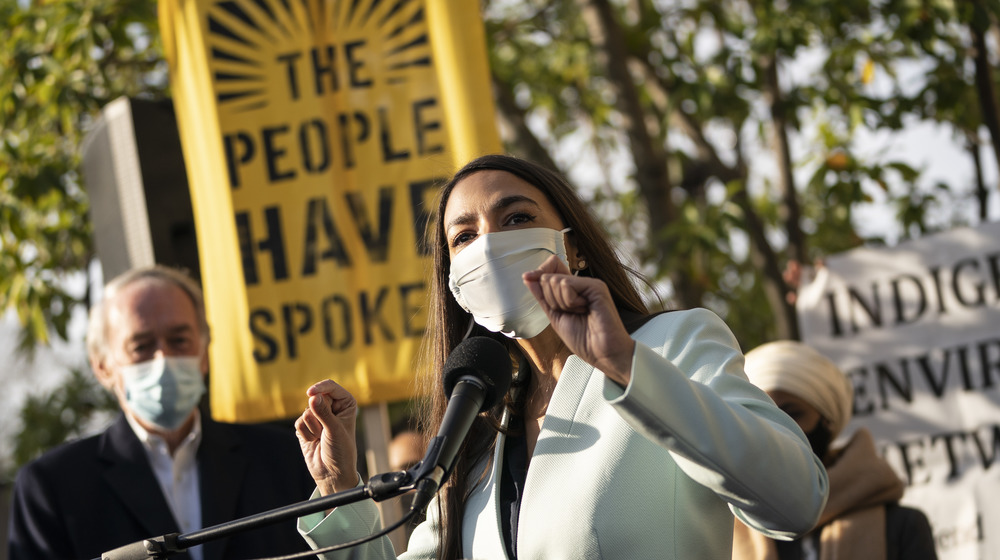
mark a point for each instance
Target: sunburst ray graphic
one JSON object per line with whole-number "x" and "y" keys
{"x": 247, "y": 39}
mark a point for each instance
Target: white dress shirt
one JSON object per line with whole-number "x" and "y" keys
{"x": 177, "y": 475}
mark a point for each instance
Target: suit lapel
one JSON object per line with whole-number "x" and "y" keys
{"x": 565, "y": 400}
{"x": 128, "y": 473}
{"x": 494, "y": 539}
{"x": 221, "y": 468}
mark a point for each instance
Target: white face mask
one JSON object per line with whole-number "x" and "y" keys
{"x": 163, "y": 391}
{"x": 486, "y": 279}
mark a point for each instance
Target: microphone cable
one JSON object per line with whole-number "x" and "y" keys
{"x": 333, "y": 548}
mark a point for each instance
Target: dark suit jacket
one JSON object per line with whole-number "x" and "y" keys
{"x": 96, "y": 494}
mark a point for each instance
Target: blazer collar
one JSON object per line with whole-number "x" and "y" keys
{"x": 566, "y": 399}
{"x": 222, "y": 467}
{"x": 130, "y": 477}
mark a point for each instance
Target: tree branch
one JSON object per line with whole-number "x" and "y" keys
{"x": 786, "y": 179}
{"x": 985, "y": 88}
{"x": 650, "y": 158}
{"x": 515, "y": 119}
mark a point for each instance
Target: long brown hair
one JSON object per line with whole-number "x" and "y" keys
{"x": 448, "y": 324}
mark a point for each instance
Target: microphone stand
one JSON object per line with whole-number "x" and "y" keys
{"x": 379, "y": 487}
{"x": 425, "y": 477}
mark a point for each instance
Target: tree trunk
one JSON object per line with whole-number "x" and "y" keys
{"x": 982, "y": 194}
{"x": 763, "y": 256}
{"x": 651, "y": 166}
{"x": 786, "y": 179}
{"x": 774, "y": 285}
{"x": 985, "y": 88}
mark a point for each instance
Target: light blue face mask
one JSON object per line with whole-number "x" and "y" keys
{"x": 163, "y": 391}
{"x": 486, "y": 278}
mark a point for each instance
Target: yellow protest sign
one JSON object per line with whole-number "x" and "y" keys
{"x": 315, "y": 135}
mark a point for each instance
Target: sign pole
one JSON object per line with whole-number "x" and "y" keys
{"x": 377, "y": 434}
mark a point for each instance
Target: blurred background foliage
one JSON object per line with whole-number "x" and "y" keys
{"x": 718, "y": 141}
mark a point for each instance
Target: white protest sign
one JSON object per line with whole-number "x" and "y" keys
{"x": 917, "y": 329}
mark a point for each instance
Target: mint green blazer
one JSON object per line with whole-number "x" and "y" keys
{"x": 655, "y": 470}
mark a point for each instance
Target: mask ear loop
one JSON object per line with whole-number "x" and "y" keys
{"x": 468, "y": 331}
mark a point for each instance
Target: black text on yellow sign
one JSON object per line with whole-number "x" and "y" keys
{"x": 333, "y": 136}
{"x": 383, "y": 314}
{"x": 358, "y": 129}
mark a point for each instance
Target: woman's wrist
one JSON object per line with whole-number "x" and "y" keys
{"x": 618, "y": 367}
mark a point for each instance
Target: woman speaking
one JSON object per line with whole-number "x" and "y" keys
{"x": 624, "y": 435}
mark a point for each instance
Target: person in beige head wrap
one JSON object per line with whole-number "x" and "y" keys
{"x": 862, "y": 518}
{"x": 789, "y": 367}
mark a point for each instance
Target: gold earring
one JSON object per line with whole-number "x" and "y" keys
{"x": 581, "y": 264}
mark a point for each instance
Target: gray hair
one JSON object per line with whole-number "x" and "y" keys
{"x": 97, "y": 325}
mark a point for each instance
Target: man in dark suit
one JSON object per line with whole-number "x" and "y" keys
{"x": 162, "y": 467}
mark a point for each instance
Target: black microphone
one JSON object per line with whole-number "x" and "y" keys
{"x": 476, "y": 375}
